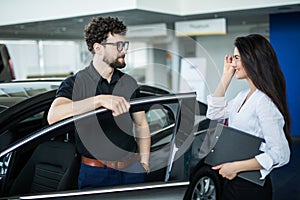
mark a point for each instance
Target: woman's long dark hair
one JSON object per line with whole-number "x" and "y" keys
{"x": 261, "y": 64}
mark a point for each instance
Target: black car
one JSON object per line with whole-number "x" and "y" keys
{"x": 40, "y": 161}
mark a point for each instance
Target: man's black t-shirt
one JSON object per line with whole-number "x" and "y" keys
{"x": 105, "y": 137}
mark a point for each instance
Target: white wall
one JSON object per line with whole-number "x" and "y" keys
{"x": 32, "y": 58}
{"x": 60, "y": 57}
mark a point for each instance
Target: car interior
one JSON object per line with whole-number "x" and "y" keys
{"x": 51, "y": 167}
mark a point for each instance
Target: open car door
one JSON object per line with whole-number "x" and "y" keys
{"x": 171, "y": 121}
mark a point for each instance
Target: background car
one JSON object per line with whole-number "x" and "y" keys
{"x": 31, "y": 151}
{"x": 6, "y": 68}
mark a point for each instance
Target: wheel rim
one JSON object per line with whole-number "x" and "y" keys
{"x": 204, "y": 189}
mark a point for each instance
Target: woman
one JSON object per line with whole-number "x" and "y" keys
{"x": 260, "y": 110}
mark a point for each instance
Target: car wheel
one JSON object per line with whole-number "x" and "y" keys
{"x": 205, "y": 184}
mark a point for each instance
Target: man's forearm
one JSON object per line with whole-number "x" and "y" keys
{"x": 63, "y": 108}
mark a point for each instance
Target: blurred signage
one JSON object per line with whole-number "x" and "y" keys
{"x": 201, "y": 27}
{"x": 149, "y": 30}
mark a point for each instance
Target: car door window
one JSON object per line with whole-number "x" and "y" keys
{"x": 24, "y": 118}
{"x": 21, "y": 129}
{"x": 161, "y": 124}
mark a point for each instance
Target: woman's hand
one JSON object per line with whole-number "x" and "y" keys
{"x": 231, "y": 169}
{"x": 228, "y": 72}
{"x": 227, "y": 170}
{"x": 228, "y": 65}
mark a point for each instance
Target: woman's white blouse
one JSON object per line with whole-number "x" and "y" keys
{"x": 258, "y": 116}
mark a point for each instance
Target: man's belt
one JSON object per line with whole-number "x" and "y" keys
{"x": 108, "y": 164}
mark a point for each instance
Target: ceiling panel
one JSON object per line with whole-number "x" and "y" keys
{"x": 72, "y": 28}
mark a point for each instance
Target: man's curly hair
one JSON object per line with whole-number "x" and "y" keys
{"x": 99, "y": 28}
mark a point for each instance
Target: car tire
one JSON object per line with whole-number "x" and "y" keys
{"x": 204, "y": 184}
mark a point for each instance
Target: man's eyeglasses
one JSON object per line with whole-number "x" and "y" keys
{"x": 120, "y": 45}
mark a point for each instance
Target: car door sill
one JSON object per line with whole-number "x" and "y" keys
{"x": 127, "y": 188}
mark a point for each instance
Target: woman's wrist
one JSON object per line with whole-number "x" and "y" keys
{"x": 227, "y": 76}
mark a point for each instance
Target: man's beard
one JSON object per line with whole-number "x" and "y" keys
{"x": 116, "y": 64}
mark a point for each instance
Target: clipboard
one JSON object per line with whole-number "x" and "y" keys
{"x": 233, "y": 145}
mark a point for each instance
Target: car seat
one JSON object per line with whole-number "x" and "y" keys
{"x": 52, "y": 167}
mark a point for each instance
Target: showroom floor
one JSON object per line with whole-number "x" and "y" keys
{"x": 286, "y": 179}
